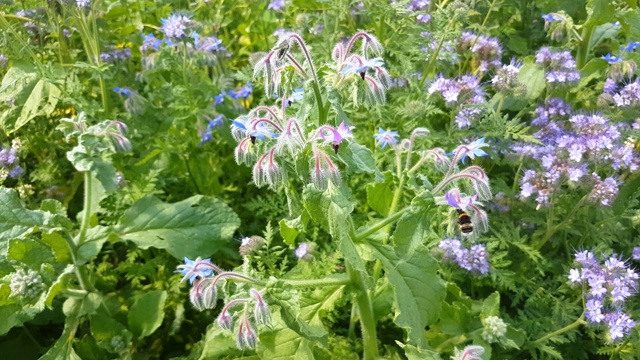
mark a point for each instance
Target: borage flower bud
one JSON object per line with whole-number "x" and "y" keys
{"x": 267, "y": 171}
{"x": 246, "y": 338}
{"x": 292, "y": 140}
{"x": 244, "y": 153}
{"x": 324, "y": 171}
{"x": 204, "y": 294}
{"x": 261, "y": 312}
{"x": 225, "y": 321}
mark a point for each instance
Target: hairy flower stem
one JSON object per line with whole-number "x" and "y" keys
{"x": 86, "y": 215}
{"x": 365, "y": 310}
{"x": 569, "y": 327}
{"x": 376, "y": 227}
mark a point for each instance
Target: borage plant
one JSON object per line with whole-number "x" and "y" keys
{"x": 316, "y": 162}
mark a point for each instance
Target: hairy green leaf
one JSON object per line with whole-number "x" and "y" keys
{"x": 197, "y": 226}
{"x": 146, "y": 314}
{"x": 418, "y": 289}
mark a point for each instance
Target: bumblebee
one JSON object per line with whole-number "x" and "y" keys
{"x": 464, "y": 222}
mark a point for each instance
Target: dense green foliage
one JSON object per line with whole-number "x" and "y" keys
{"x": 141, "y": 137}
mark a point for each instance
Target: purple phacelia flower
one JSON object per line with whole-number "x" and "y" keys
{"x": 276, "y": 5}
{"x": 560, "y": 67}
{"x": 606, "y": 288}
{"x": 474, "y": 259}
{"x": 604, "y": 191}
{"x": 175, "y": 26}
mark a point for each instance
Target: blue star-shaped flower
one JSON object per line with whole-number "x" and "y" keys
{"x": 386, "y": 137}
{"x": 193, "y": 269}
{"x": 611, "y": 59}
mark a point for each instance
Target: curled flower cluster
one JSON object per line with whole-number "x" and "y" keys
{"x": 608, "y": 286}
{"x": 464, "y": 94}
{"x": 205, "y": 278}
{"x": 27, "y": 284}
{"x": 114, "y": 55}
{"x": 628, "y": 95}
{"x": 559, "y": 66}
{"x": 473, "y": 259}
{"x": 506, "y": 79}
{"x": 570, "y": 148}
{"x": 486, "y": 51}
{"x": 9, "y": 167}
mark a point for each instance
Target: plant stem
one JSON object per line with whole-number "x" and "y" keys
{"x": 375, "y": 227}
{"x": 342, "y": 279}
{"x": 583, "y": 50}
{"x": 365, "y": 310}
{"x": 500, "y": 104}
{"x": 552, "y": 229}
{"x": 86, "y": 215}
{"x": 432, "y": 61}
{"x": 569, "y": 327}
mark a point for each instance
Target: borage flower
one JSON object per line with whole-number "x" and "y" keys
{"x": 196, "y": 269}
{"x": 386, "y": 137}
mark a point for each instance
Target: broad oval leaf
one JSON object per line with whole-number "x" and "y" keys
{"x": 197, "y": 226}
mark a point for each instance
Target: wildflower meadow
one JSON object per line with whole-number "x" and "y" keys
{"x": 289, "y": 179}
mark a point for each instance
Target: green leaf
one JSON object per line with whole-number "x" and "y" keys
{"x": 411, "y": 231}
{"x": 603, "y": 32}
{"x": 90, "y": 248}
{"x": 416, "y": 353}
{"x": 197, "y": 226}
{"x": 146, "y": 314}
{"x": 318, "y": 302}
{"x": 58, "y": 245}
{"x": 631, "y": 20}
{"x": 59, "y": 284}
{"x": 102, "y": 170}
{"x": 31, "y": 94}
{"x": 15, "y": 220}
{"x": 331, "y": 209}
{"x": 357, "y": 158}
{"x": 600, "y": 12}
{"x": 380, "y": 194}
{"x": 30, "y": 252}
{"x": 283, "y": 343}
{"x": 491, "y": 305}
{"x": 418, "y": 289}
{"x": 532, "y": 76}
{"x": 289, "y": 229}
{"x": 288, "y": 299}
